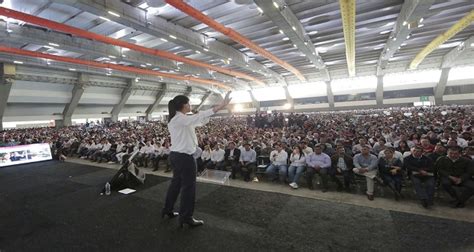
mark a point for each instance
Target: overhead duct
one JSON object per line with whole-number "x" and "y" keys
{"x": 348, "y": 12}
{"x": 231, "y": 33}
{"x": 433, "y": 45}
{"x": 90, "y": 35}
{"x": 96, "y": 64}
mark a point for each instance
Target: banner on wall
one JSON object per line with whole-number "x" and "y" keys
{"x": 23, "y": 154}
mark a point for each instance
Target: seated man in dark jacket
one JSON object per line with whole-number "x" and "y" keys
{"x": 231, "y": 158}
{"x": 456, "y": 172}
{"x": 390, "y": 169}
{"x": 343, "y": 164}
{"x": 421, "y": 170}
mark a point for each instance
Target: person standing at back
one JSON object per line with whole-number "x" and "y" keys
{"x": 183, "y": 145}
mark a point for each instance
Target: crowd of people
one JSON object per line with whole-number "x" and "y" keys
{"x": 428, "y": 146}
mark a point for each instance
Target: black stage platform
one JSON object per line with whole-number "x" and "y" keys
{"x": 53, "y": 206}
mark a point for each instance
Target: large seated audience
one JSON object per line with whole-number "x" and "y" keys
{"x": 428, "y": 147}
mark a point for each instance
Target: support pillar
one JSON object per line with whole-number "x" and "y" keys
{"x": 77, "y": 92}
{"x": 330, "y": 95}
{"x": 125, "y": 95}
{"x": 7, "y": 74}
{"x": 441, "y": 86}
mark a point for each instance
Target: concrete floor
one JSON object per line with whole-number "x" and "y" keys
{"x": 388, "y": 203}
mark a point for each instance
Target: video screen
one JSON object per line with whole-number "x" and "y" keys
{"x": 23, "y": 154}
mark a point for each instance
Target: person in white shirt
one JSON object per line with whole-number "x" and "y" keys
{"x": 217, "y": 158}
{"x": 206, "y": 156}
{"x": 297, "y": 166}
{"x": 278, "y": 159}
{"x": 183, "y": 145}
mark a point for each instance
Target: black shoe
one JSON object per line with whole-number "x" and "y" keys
{"x": 191, "y": 223}
{"x": 424, "y": 203}
{"x": 310, "y": 187}
{"x": 155, "y": 169}
{"x": 170, "y": 215}
{"x": 324, "y": 190}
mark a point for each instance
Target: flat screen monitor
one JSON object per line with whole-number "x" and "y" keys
{"x": 23, "y": 154}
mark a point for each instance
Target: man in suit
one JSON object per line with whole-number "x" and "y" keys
{"x": 231, "y": 158}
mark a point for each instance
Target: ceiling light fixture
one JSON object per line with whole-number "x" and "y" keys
{"x": 53, "y": 44}
{"x": 276, "y": 5}
{"x": 164, "y": 40}
{"x": 113, "y": 13}
{"x": 404, "y": 23}
{"x": 104, "y": 18}
{"x": 18, "y": 62}
{"x": 259, "y": 10}
{"x": 173, "y": 37}
{"x": 112, "y": 57}
{"x": 72, "y": 69}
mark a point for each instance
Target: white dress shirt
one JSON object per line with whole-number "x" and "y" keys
{"x": 278, "y": 158}
{"x": 206, "y": 155}
{"x": 182, "y": 130}
{"x": 217, "y": 155}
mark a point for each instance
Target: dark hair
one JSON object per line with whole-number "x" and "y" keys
{"x": 176, "y": 105}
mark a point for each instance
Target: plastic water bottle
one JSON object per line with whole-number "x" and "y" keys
{"x": 107, "y": 188}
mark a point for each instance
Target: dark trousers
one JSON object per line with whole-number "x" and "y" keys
{"x": 247, "y": 170}
{"x": 184, "y": 180}
{"x": 324, "y": 173}
{"x": 424, "y": 187}
{"x": 393, "y": 181}
{"x": 466, "y": 188}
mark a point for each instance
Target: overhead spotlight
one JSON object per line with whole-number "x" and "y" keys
{"x": 18, "y": 62}
{"x": 276, "y": 5}
{"x": 53, "y": 44}
{"x": 72, "y": 69}
{"x": 173, "y": 37}
{"x": 421, "y": 20}
{"x": 205, "y": 49}
{"x": 404, "y": 23}
{"x": 164, "y": 40}
{"x": 104, "y": 18}
{"x": 112, "y": 57}
{"x": 113, "y": 13}
{"x": 260, "y": 10}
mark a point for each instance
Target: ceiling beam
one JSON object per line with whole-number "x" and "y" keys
{"x": 126, "y": 93}
{"x": 108, "y": 40}
{"x": 451, "y": 32}
{"x": 450, "y": 58}
{"x": 7, "y": 75}
{"x": 284, "y": 18}
{"x": 408, "y": 20}
{"x": 93, "y": 50}
{"x": 234, "y": 35}
{"x": 94, "y": 64}
{"x": 348, "y": 13}
{"x": 77, "y": 92}
{"x": 142, "y": 21}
